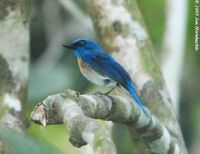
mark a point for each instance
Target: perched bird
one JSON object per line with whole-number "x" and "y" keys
{"x": 101, "y": 69}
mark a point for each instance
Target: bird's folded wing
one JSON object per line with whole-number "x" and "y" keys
{"x": 107, "y": 66}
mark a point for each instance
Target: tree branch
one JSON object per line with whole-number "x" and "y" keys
{"x": 83, "y": 130}
{"x": 72, "y": 108}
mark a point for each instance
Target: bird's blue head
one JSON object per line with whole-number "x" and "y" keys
{"x": 82, "y": 46}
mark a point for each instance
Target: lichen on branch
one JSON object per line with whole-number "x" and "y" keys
{"x": 77, "y": 111}
{"x": 62, "y": 108}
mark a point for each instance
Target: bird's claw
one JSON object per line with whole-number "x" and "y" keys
{"x": 98, "y": 93}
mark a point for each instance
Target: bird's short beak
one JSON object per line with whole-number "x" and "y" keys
{"x": 69, "y": 46}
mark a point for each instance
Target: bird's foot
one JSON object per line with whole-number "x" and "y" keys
{"x": 111, "y": 90}
{"x": 106, "y": 93}
{"x": 98, "y": 93}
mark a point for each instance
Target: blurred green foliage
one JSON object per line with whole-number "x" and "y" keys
{"x": 19, "y": 143}
{"x": 54, "y": 135}
{"x": 154, "y": 16}
{"x": 190, "y": 87}
{"x": 123, "y": 137}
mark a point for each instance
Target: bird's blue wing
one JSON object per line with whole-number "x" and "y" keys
{"x": 107, "y": 66}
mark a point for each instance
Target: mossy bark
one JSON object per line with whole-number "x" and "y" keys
{"x": 73, "y": 109}
{"x": 14, "y": 60}
{"x": 121, "y": 31}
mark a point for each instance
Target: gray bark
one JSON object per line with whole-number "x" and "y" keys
{"x": 72, "y": 108}
{"x": 14, "y": 59}
{"x": 62, "y": 108}
{"x": 122, "y": 32}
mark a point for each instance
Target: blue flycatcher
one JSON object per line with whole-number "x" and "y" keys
{"x": 101, "y": 69}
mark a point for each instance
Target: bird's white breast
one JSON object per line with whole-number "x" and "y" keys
{"x": 93, "y": 76}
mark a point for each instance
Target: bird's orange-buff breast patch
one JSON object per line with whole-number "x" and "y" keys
{"x": 83, "y": 67}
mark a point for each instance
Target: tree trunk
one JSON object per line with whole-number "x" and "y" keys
{"x": 14, "y": 60}
{"x": 122, "y": 32}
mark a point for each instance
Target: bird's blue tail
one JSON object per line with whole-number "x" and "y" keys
{"x": 134, "y": 95}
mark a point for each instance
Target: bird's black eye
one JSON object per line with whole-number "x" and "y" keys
{"x": 82, "y": 42}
